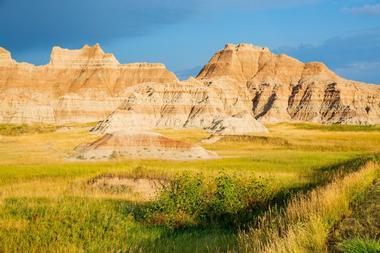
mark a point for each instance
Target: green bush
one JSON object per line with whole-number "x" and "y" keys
{"x": 180, "y": 202}
{"x": 234, "y": 200}
{"x": 190, "y": 201}
{"x": 359, "y": 245}
{"x": 229, "y": 196}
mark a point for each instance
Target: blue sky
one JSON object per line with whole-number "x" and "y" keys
{"x": 183, "y": 34}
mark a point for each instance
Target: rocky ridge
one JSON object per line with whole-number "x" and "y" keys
{"x": 76, "y": 86}
{"x": 219, "y": 109}
{"x": 285, "y": 89}
{"x": 240, "y": 86}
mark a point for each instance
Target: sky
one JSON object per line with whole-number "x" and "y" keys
{"x": 184, "y": 34}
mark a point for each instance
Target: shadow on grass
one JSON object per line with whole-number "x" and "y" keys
{"x": 220, "y": 233}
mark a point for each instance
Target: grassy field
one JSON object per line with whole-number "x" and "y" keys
{"x": 47, "y": 204}
{"x": 360, "y": 229}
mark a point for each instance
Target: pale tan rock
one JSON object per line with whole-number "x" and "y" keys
{"x": 240, "y": 84}
{"x": 240, "y": 62}
{"x": 141, "y": 145}
{"x": 76, "y": 86}
{"x": 88, "y": 85}
{"x": 216, "y": 107}
{"x": 285, "y": 89}
{"x": 5, "y": 58}
{"x": 90, "y": 57}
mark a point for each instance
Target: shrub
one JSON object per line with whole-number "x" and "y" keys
{"x": 189, "y": 201}
{"x": 180, "y": 203}
{"x": 234, "y": 200}
{"x": 359, "y": 245}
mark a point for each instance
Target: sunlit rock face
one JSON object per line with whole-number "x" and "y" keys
{"x": 76, "y": 86}
{"x": 284, "y": 89}
{"x": 219, "y": 107}
{"x": 240, "y": 86}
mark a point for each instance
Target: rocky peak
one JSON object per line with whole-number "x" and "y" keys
{"x": 318, "y": 70}
{"x": 240, "y": 84}
{"x": 239, "y": 61}
{"x": 250, "y": 63}
{"x": 244, "y": 46}
{"x": 5, "y": 57}
{"x": 283, "y": 88}
{"x": 88, "y": 56}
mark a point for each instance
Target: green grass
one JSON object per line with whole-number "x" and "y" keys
{"x": 69, "y": 225}
{"x": 304, "y": 224}
{"x": 362, "y": 222}
{"x": 47, "y": 205}
{"x": 191, "y": 240}
{"x": 359, "y": 245}
{"x": 339, "y": 128}
{"x": 23, "y": 129}
{"x": 16, "y": 130}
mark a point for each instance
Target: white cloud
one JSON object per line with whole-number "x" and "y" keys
{"x": 368, "y": 9}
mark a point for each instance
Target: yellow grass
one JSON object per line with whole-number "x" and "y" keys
{"x": 305, "y": 224}
{"x": 37, "y": 178}
{"x": 37, "y": 164}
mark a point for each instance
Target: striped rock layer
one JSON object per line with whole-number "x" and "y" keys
{"x": 241, "y": 86}
{"x": 285, "y": 89}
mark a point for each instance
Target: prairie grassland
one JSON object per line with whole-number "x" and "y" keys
{"x": 305, "y": 224}
{"x": 359, "y": 231}
{"x": 46, "y": 203}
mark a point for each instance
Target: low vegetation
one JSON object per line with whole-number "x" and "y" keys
{"x": 16, "y": 130}
{"x": 361, "y": 227}
{"x": 339, "y": 128}
{"x": 291, "y": 183}
{"x": 25, "y": 129}
{"x": 68, "y": 224}
{"x": 194, "y": 201}
{"x": 304, "y": 225}
{"x": 359, "y": 245}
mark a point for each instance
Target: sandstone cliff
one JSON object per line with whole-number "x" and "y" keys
{"x": 76, "y": 86}
{"x": 219, "y": 109}
{"x": 240, "y": 85}
{"x": 285, "y": 89}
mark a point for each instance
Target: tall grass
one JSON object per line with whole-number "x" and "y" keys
{"x": 304, "y": 225}
{"x": 46, "y": 204}
{"x": 338, "y": 128}
{"x": 16, "y": 130}
{"x": 359, "y": 245}
{"x": 68, "y": 224}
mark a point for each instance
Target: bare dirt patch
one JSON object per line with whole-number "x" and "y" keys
{"x": 146, "y": 188}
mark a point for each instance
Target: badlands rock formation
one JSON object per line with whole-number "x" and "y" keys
{"x": 89, "y": 85}
{"x": 76, "y": 86}
{"x": 130, "y": 144}
{"x": 239, "y": 86}
{"x": 220, "y": 108}
{"x": 285, "y": 89}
